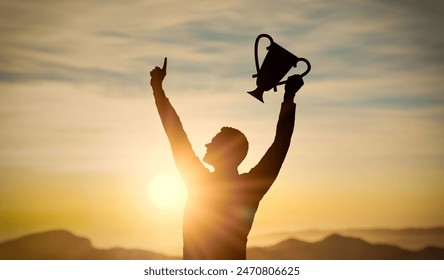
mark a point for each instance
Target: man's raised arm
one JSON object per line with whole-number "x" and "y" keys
{"x": 266, "y": 171}
{"x": 183, "y": 153}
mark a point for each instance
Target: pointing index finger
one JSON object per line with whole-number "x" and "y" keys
{"x": 164, "y": 67}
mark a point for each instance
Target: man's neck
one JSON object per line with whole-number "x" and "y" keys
{"x": 226, "y": 172}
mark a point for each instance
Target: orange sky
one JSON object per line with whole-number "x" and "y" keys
{"x": 80, "y": 138}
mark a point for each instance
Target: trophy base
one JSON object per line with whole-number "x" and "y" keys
{"x": 258, "y": 94}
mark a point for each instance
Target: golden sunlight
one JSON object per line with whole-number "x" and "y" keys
{"x": 166, "y": 190}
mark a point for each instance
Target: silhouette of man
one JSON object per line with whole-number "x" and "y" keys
{"x": 221, "y": 205}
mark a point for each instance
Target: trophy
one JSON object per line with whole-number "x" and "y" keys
{"x": 275, "y": 66}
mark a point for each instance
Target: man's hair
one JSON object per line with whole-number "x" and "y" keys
{"x": 238, "y": 144}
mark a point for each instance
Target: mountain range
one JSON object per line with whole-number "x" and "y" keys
{"x": 412, "y": 239}
{"x": 63, "y": 245}
{"x": 337, "y": 247}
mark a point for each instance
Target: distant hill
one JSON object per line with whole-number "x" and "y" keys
{"x": 336, "y": 247}
{"x": 412, "y": 239}
{"x": 63, "y": 245}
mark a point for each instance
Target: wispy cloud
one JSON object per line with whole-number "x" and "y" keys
{"x": 114, "y": 42}
{"x": 364, "y": 54}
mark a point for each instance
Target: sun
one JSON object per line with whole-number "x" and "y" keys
{"x": 166, "y": 190}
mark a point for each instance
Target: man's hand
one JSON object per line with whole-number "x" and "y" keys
{"x": 293, "y": 84}
{"x": 158, "y": 74}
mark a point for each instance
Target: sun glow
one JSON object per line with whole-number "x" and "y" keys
{"x": 166, "y": 190}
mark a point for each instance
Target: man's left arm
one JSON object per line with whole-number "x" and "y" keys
{"x": 267, "y": 170}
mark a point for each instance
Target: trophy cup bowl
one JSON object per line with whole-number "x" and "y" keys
{"x": 277, "y": 62}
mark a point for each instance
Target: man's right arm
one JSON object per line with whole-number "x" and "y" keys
{"x": 184, "y": 156}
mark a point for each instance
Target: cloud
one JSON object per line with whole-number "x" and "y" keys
{"x": 364, "y": 54}
{"x": 204, "y": 40}
{"x": 422, "y": 22}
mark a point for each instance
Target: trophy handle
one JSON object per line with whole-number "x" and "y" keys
{"x": 256, "y": 44}
{"x": 308, "y": 66}
{"x": 303, "y": 74}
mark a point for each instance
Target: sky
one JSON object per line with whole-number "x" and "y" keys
{"x": 80, "y": 138}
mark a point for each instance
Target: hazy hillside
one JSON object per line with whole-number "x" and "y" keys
{"x": 336, "y": 247}
{"x": 407, "y": 238}
{"x": 63, "y": 245}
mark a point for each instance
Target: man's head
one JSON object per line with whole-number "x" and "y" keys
{"x": 227, "y": 149}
